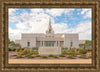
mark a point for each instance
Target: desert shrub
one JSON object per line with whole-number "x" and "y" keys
{"x": 61, "y": 55}
{"x": 37, "y": 56}
{"x": 89, "y": 56}
{"x": 19, "y": 56}
{"x": 82, "y": 56}
{"x": 50, "y": 55}
{"x": 29, "y": 56}
{"x": 31, "y": 50}
{"x": 71, "y": 53}
{"x": 35, "y": 48}
{"x": 21, "y": 53}
{"x": 70, "y": 57}
{"x": 36, "y": 52}
{"x": 63, "y": 52}
{"x": 18, "y": 49}
{"x": 43, "y": 57}
{"x": 83, "y": 51}
{"x": 55, "y": 57}
{"x": 13, "y": 55}
{"x": 29, "y": 53}
{"x": 13, "y": 49}
{"x": 22, "y": 49}
{"x": 24, "y": 52}
{"x": 9, "y": 49}
{"x": 89, "y": 49}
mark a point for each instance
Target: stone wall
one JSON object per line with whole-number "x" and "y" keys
{"x": 49, "y": 50}
{"x": 28, "y": 38}
{"x": 68, "y": 38}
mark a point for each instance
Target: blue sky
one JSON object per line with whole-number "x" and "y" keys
{"x": 64, "y": 20}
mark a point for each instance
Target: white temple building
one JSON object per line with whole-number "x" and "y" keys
{"x": 49, "y": 39}
{"x": 49, "y": 42}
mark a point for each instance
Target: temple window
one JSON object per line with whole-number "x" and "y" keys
{"x": 49, "y": 30}
{"x": 28, "y": 44}
{"x": 71, "y": 44}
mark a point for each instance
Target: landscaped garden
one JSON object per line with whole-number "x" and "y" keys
{"x": 67, "y": 53}
{"x": 16, "y": 52}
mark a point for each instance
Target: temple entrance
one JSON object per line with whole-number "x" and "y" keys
{"x": 49, "y": 44}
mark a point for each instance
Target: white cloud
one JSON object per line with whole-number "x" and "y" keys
{"x": 11, "y": 11}
{"x": 87, "y": 12}
{"x": 84, "y": 10}
{"x": 58, "y": 12}
{"x": 39, "y": 10}
{"x": 14, "y": 19}
{"x": 60, "y": 27}
{"x": 37, "y": 22}
{"x": 83, "y": 29}
{"x": 55, "y": 12}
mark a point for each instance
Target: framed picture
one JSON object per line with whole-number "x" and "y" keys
{"x": 49, "y": 35}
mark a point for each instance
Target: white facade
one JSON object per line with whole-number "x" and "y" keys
{"x": 49, "y": 39}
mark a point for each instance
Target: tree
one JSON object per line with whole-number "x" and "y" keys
{"x": 9, "y": 41}
{"x": 12, "y": 43}
{"x": 83, "y": 46}
{"x": 88, "y": 43}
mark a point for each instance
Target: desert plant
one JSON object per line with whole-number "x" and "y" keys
{"x": 29, "y": 53}
{"x": 13, "y": 55}
{"x": 63, "y": 52}
{"x": 22, "y": 49}
{"x": 50, "y": 55}
{"x": 29, "y": 56}
{"x": 19, "y": 56}
{"x": 36, "y": 52}
{"x": 89, "y": 56}
{"x": 71, "y": 53}
{"x": 55, "y": 57}
{"x": 43, "y": 57}
{"x": 13, "y": 49}
{"x": 9, "y": 49}
{"x": 35, "y": 48}
{"x": 61, "y": 55}
{"x": 37, "y": 56}
{"x": 24, "y": 52}
{"x": 83, "y": 51}
{"x": 31, "y": 50}
{"x": 21, "y": 53}
{"x": 82, "y": 56}
{"x": 18, "y": 49}
{"x": 70, "y": 57}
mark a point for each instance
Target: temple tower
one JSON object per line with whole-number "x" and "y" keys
{"x": 49, "y": 30}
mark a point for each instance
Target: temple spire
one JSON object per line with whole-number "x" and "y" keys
{"x": 49, "y": 27}
{"x": 49, "y": 30}
{"x": 49, "y": 20}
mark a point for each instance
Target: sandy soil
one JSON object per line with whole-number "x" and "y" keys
{"x": 53, "y": 61}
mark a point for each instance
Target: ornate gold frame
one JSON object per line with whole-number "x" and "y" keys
{"x": 4, "y": 5}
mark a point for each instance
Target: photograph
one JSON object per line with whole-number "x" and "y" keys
{"x": 50, "y": 35}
